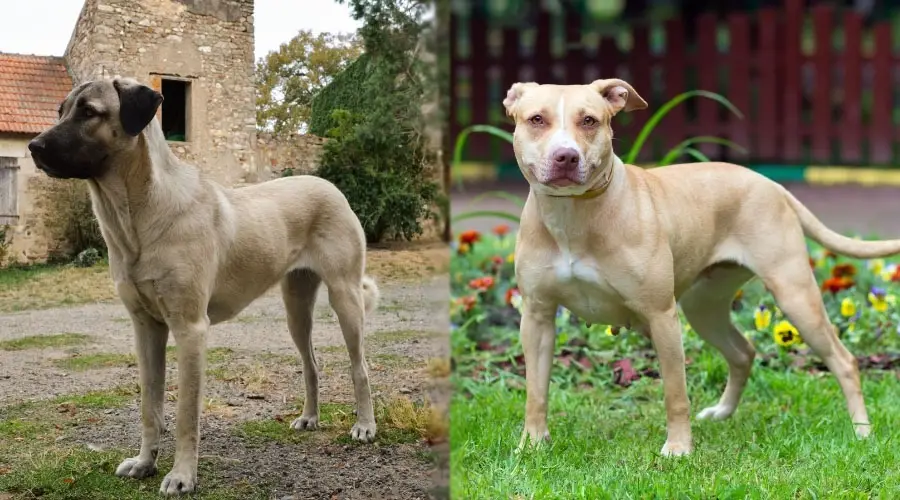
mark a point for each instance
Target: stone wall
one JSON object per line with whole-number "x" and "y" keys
{"x": 273, "y": 155}
{"x": 28, "y": 240}
{"x": 206, "y": 42}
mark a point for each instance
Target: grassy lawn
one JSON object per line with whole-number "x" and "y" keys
{"x": 790, "y": 438}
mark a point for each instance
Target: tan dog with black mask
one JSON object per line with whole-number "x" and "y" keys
{"x": 186, "y": 253}
{"x": 618, "y": 245}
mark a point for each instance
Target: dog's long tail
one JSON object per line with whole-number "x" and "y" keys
{"x": 838, "y": 243}
{"x": 370, "y": 294}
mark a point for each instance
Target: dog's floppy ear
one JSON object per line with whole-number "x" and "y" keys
{"x": 514, "y": 94}
{"x": 620, "y": 94}
{"x": 137, "y": 105}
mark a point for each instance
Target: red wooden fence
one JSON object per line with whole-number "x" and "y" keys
{"x": 807, "y": 98}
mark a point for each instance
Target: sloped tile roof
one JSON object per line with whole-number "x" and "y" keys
{"x": 31, "y": 88}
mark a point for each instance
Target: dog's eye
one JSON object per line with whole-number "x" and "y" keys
{"x": 536, "y": 120}
{"x": 89, "y": 112}
{"x": 589, "y": 121}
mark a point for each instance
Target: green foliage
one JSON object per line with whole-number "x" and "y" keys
{"x": 386, "y": 183}
{"x": 378, "y": 152}
{"x": 342, "y": 93}
{"x": 87, "y": 258}
{"x": 287, "y": 80}
{"x": 69, "y": 216}
{"x": 5, "y": 242}
{"x": 684, "y": 148}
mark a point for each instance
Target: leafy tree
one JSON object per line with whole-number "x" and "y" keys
{"x": 378, "y": 155}
{"x": 289, "y": 78}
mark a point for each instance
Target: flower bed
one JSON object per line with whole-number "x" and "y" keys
{"x": 860, "y": 297}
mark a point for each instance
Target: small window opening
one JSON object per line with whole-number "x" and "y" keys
{"x": 176, "y": 94}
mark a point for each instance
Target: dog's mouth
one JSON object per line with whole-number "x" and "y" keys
{"x": 78, "y": 172}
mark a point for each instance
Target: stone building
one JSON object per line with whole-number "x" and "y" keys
{"x": 198, "y": 53}
{"x": 31, "y": 89}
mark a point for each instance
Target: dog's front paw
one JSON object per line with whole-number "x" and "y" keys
{"x": 673, "y": 449}
{"x": 363, "y": 432}
{"x": 863, "y": 430}
{"x": 717, "y": 412}
{"x": 305, "y": 423}
{"x": 178, "y": 483}
{"x": 533, "y": 438}
{"x": 137, "y": 468}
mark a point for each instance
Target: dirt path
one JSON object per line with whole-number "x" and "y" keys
{"x": 254, "y": 375}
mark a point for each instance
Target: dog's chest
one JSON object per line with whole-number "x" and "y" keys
{"x": 574, "y": 276}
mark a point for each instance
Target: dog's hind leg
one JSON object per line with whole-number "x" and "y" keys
{"x": 794, "y": 286}
{"x": 707, "y": 307}
{"x": 346, "y": 298}
{"x": 298, "y": 290}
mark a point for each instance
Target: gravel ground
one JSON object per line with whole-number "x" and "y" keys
{"x": 409, "y": 328}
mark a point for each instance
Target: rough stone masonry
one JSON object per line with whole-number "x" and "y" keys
{"x": 206, "y": 43}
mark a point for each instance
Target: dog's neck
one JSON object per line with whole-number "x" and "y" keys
{"x": 149, "y": 177}
{"x": 564, "y": 216}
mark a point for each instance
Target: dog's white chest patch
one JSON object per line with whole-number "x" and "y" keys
{"x": 568, "y": 268}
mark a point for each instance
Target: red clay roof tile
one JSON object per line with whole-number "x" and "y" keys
{"x": 31, "y": 88}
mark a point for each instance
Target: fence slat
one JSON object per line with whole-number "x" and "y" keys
{"x": 641, "y": 61}
{"x": 882, "y": 101}
{"x": 543, "y": 59}
{"x": 739, "y": 78}
{"x": 851, "y": 127}
{"x": 672, "y": 127}
{"x": 511, "y": 63}
{"x": 708, "y": 70}
{"x": 768, "y": 128}
{"x": 790, "y": 94}
{"x": 479, "y": 145}
{"x": 575, "y": 60}
{"x": 823, "y": 86}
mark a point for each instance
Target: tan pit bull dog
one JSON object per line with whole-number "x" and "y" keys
{"x": 619, "y": 245}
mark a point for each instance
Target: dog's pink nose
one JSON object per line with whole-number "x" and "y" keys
{"x": 565, "y": 159}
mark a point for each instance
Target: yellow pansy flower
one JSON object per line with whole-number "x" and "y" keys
{"x": 878, "y": 300}
{"x": 464, "y": 249}
{"x": 786, "y": 334}
{"x": 511, "y": 258}
{"x": 762, "y": 318}
{"x": 876, "y": 266}
{"x": 848, "y": 307}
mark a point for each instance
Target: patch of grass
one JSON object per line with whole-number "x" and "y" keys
{"x": 414, "y": 262}
{"x": 42, "y": 421}
{"x": 269, "y": 431}
{"x": 281, "y": 359}
{"x": 95, "y": 361}
{"x": 439, "y": 367}
{"x": 401, "y": 335}
{"x": 110, "y": 398}
{"x": 389, "y": 360}
{"x": 790, "y": 438}
{"x": 399, "y": 421}
{"x": 63, "y": 473}
{"x": 334, "y": 349}
{"x": 255, "y": 378}
{"x": 46, "y": 286}
{"x": 44, "y": 341}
